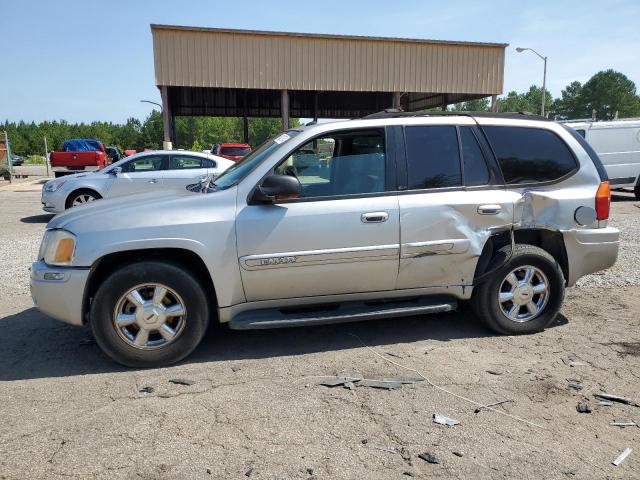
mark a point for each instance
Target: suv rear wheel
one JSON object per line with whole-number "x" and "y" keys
{"x": 149, "y": 314}
{"x": 524, "y": 295}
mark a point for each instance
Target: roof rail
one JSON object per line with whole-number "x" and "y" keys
{"x": 395, "y": 113}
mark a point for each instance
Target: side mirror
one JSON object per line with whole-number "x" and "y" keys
{"x": 116, "y": 171}
{"x": 276, "y": 187}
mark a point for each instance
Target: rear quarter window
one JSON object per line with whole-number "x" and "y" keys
{"x": 530, "y": 155}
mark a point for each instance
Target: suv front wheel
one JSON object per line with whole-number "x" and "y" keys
{"x": 524, "y": 295}
{"x": 149, "y": 314}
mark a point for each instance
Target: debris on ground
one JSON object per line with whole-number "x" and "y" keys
{"x": 388, "y": 385}
{"x": 605, "y": 403}
{"x": 181, "y": 381}
{"x": 392, "y": 354}
{"x": 458, "y": 454}
{"x": 477, "y": 410}
{"x": 384, "y": 449}
{"x": 616, "y": 398}
{"x": 353, "y": 379}
{"x": 146, "y": 390}
{"x": 572, "y": 360}
{"x": 574, "y": 386}
{"x": 428, "y": 457}
{"x": 583, "y": 407}
{"x": 620, "y": 458}
{"x": 623, "y": 424}
{"x": 444, "y": 420}
{"x": 494, "y": 372}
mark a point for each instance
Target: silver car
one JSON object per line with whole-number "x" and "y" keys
{"x": 144, "y": 172}
{"x": 379, "y": 217}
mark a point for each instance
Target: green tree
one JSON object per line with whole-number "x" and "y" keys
{"x": 479, "y": 105}
{"x": 570, "y": 104}
{"x": 525, "y": 102}
{"x": 608, "y": 92}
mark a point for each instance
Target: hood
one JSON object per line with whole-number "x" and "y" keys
{"x": 74, "y": 176}
{"x": 112, "y": 208}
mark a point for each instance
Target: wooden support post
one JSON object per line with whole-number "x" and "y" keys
{"x": 395, "y": 101}
{"x": 445, "y": 98}
{"x": 284, "y": 109}
{"x": 245, "y": 119}
{"x": 166, "y": 118}
{"x": 494, "y": 103}
{"x": 315, "y": 107}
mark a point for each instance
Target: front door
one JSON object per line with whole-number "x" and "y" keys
{"x": 142, "y": 174}
{"x": 186, "y": 169}
{"x": 454, "y": 201}
{"x": 341, "y": 236}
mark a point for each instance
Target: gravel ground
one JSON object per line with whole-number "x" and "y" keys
{"x": 256, "y": 410}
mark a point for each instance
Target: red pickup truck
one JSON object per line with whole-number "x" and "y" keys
{"x": 78, "y": 155}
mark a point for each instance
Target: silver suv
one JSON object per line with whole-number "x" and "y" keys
{"x": 391, "y": 215}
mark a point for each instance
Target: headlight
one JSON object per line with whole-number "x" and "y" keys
{"x": 58, "y": 247}
{"x": 53, "y": 186}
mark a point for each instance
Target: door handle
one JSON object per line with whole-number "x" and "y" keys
{"x": 153, "y": 180}
{"x": 489, "y": 209}
{"x": 374, "y": 217}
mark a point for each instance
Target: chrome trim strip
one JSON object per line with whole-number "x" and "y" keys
{"x": 319, "y": 257}
{"x": 435, "y": 247}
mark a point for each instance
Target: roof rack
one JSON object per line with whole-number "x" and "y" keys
{"x": 395, "y": 113}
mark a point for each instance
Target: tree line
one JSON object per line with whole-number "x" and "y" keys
{"x": 192, "y": 133}
{"x": 607, "y": 93}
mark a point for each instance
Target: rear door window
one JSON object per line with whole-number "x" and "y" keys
{"x": 530, "y": 155}
{"x": 476, "y": 172}
{"x": 433, "y": 157}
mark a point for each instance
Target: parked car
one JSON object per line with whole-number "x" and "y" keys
{"x": 617, "y": 143}
{"x": 114, "y": 154}
{"x": 232, "y": 151}
{"x": 157, "y": 171}
{"x": 17, "y": 160}
{"x": 78, "y": 155}
{"x": 417, "y": 214}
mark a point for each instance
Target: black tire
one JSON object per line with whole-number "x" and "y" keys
{"x": 79, "y": 193}
{"x": 636, "y": 190}
{"x": 124, "y": 279}
{"x": 485, "y": 296}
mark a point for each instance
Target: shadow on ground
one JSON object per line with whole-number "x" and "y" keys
{"x": 36, "y": 346}
{"x": 43, "y": 218}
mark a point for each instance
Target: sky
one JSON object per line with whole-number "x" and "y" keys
{"x": 86, "y": 60}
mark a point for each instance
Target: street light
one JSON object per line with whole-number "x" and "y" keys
{"x": 154, "y": 103}
{"x": 544, "y": 76}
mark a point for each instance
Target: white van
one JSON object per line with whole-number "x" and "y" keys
{"x": 617, "y": 143}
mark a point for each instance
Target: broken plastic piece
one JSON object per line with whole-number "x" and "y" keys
{"x": 389, "y": 385}
{"x": 583, "y": 407}
{"x": 616, "y": 398}
{"x": 181, "y": 381}
{"x": 620, "y": 458}
{"x": 444, "y": 420}
{"x": 428, "y": 457}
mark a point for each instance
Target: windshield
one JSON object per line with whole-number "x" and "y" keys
{"x": 241, "y": 169}
{"x": 235, "y": 151}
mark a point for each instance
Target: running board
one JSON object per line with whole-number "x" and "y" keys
{"x": 339, "y": 313}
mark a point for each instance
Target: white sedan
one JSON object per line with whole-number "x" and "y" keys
{"x": 160, "y": 170}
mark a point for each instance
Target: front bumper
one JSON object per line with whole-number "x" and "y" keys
{"x": 59, "y": 291}
{"x": 590, "y": 250}
{"x": 53, "y": 202}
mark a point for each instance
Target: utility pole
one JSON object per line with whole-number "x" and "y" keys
{"x": 9, "y": 160}
{"x": 544, "y": 75}
{"x": 46, "y": 154}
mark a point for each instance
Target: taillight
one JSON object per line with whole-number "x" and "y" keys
{"x": 603, "y": 201}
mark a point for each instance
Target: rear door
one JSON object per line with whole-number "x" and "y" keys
{"x": 186, "y": 169}
{"x": 140, "y": 174}
{"x": 454, "y": 200}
